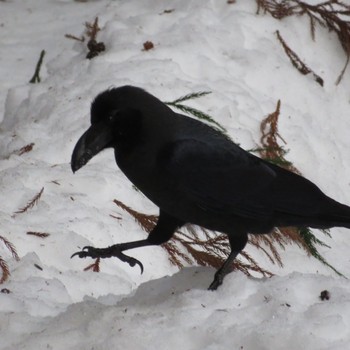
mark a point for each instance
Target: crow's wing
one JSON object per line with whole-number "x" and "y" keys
{"x": 219, "y": 177}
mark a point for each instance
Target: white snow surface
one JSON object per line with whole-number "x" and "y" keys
{"x": 199, "y": 46}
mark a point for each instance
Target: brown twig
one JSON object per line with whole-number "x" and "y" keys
{"x": 73, "y": 37}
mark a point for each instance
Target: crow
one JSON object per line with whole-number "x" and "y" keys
{"x": 196, "y": 175}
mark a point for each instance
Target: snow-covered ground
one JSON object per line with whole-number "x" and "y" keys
{"x": 199, "y": 46}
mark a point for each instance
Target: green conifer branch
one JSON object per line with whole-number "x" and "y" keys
{"x": 311, "y": 241}
{"x": 193, "y": 111}
{"x": 191, "y": 96}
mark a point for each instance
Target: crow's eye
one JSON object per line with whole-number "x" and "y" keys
{"x": 112, "y": 117}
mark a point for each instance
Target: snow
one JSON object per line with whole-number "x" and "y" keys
{"x": 199, "y": 46}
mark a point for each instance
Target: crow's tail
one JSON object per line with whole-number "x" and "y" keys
{"x": 334, "y": 214}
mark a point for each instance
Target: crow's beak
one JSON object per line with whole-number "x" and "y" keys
{"x": 94, "y": 140}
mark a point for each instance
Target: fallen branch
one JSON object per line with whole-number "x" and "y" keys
{"x": 296, "y": 61}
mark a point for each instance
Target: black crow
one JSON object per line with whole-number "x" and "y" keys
{"x": 196, "y": 175}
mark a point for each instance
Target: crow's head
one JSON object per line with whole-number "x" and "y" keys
{"x": 116, "y": 120}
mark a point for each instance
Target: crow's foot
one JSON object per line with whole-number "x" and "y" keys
{"x": 112, "y": 251}
{"x": 216, "y": 283}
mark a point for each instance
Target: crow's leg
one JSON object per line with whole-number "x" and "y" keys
{"x": 237, "y": 243}
{"x": 162, "y": 232}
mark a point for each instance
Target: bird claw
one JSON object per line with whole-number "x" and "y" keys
{"x": 132, "y": 262}
{"x": 87, "y": 251}
{"x": 109, "y": 252}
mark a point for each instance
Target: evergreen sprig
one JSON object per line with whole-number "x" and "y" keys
{"x": 191, "y": 96}
{"x": 311, "y": 241}
{"x": 193, "y": 111}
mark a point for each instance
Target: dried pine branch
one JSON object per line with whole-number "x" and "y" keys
{"x": 176, "y": 256}
{"x": 92, "y": 29}
{"x": 5, "y": 270}
{"x": 257, "y": 242}
{"x": 10, "y": 247}
{"x": 251, "y": 266}
{"x": 147, "y": 222}
{"x": 297, "y": 62}
{"x": 38, "y": 234}
{"x": 332, "y": 14}
{"x": 195, "y": 245}
{"x": 31, "y": 203}
{"x": 3, "y": 264}
{"x": 277, "y": 9}
{"x": 270, "y": 150}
